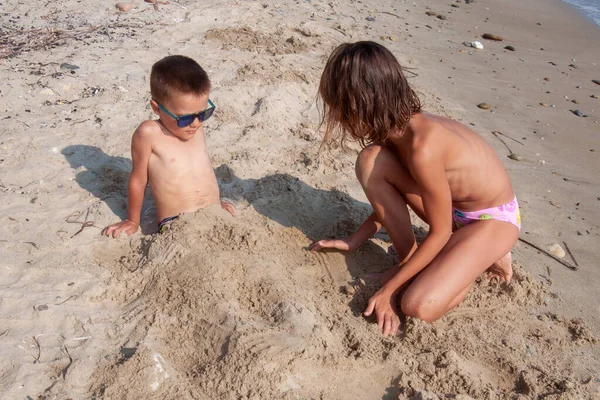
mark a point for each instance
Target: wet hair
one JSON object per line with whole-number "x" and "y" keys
{"x": 174, "y": 75}
{"x": 365, "y": 94}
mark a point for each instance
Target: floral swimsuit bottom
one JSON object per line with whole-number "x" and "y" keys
{"x": 508, "y": 213}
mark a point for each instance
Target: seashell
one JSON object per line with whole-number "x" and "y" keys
{"x": 544, "y": 105}
{"x": 477, "y": 45}
{"x": 515, "y": 156}
{"x": 556, "y": 250}
{"x": 596, "y": 81}
{"x": 484, "y": 106}
{"x": 578, "y": 113}
{"x": 489, "y": 36}
{"x": 431, "y": 13}
{"x": 547, "y": 79}
{"x": 124, "y": 7}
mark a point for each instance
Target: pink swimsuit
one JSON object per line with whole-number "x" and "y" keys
{"x": 508, "y": 213}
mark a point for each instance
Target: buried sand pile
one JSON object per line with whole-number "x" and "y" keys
{"x": 236, "y": 307}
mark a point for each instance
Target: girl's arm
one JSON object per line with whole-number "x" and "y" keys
{"x": 141, "y": 149}
{"x": 429, "y": 172}
{"x": 367, "y": 229}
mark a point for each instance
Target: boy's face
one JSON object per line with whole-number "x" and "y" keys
{"x": 179, "y": 105}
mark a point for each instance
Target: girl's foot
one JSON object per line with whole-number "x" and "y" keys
{"x": 501, "y": 269}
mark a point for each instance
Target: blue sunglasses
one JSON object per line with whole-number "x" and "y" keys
{"x": 187, "y": 120}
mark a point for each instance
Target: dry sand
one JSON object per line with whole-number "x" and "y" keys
{"x": 237, "y": 308}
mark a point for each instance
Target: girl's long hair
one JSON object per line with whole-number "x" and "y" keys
{"x": 365, "y": 94}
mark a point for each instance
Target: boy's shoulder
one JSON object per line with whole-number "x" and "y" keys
{"x": 148, "y": 130}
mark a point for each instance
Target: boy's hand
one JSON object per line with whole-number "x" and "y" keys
{"x": 229, "y": 207}
{"x": 127, "y": 226}
{"x": 338, "y": 244}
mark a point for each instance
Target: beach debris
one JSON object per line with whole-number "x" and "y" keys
{"x": 124, "y": 7}
{"x": 431, "y": 13}
{"x": 370, "y": 19}
{"x": 573, "y": 66}
{"x": 496, "y": 133}
{"x": 511, "y": 48}
{"x": 595, "y": 96}
{"x": 552, "y": 63}
{"x": 596, "y": 81}
{"x": 544, "y": 105}
{"x": 570, "y": 254}
{"x": 515, "y": 156}
{"x": 579, "y": 113}
{"x": 484, "y": 106}
{"x": 69, "y": 67}
{"x": 454, "y": 5}
{"x": 575, "y": 101}
{"x": 442, "y": 17}
{"x": 41, "y": 307}
{"x": 556, "y": 250}
{"x": 547, "y": 79}
{"x": 538, "y": 248}
{"x": 468, "y": 1}
{"x": 490, "y": 36}
{"x": 476, "y": 45}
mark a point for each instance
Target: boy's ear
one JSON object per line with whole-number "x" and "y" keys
{"x": 154, "y": 106}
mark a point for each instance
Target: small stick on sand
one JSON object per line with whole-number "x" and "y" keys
{"x": 39, "y": 348}
{"x": 506, "y": 136}
{"x": 570, "y": 254}
{"x": 19, "y": 241}
{"x": 566, "y": 264}
{"x": 65, "y": 369}
{"x": 495, "y": 133}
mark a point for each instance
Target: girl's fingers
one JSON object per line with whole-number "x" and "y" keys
{"x": 370, "y": 308}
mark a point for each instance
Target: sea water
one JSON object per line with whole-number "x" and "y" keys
{"x": 591, "y": 8}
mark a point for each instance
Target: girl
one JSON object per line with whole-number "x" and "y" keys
{"x": 446, "y": 173}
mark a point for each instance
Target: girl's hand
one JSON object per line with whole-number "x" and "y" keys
{"x": 339, "y": 244}
{"x": 384, "y": 305}
{"x": 229, "y": 207}
{"x": 128, "y": 226}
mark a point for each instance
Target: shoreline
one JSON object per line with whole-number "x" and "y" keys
{"x": 582, "y": 12}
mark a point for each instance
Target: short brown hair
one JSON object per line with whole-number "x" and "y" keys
{"x": 177, "y": 74}
{"x": 365, "y": 94}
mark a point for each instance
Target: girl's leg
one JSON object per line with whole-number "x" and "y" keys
{"x": 389, "y": 188}
{"x": 445, "y": 282}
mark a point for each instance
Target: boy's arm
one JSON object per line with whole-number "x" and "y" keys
{"x": 367, "y": 229}
{"x": 141, "y": 148}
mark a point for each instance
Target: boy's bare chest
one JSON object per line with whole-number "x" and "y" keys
{"x": 171, "y": 158}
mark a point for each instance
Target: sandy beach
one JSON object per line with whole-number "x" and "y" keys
{"x": 222, "y": 307}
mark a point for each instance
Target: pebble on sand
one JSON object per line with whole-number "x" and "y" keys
{"x": 578, "y": 113}
{"x": 484, "y": 106}
{"x": 515, "y": 156}
{"x": 596, "y": 81}
{"x": 431, "y": 13}
{"x": 556, "y": 250}
{"x": 490, "y": 36}
{"x": 511, "y": 48}
{"x": 124, "y": 7}
{"x": 547, "y": 79}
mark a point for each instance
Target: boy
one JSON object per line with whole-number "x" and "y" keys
{"x": 170, "y": 153}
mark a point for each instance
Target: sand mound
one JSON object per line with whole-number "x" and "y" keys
{"x": 280, "y": 41}
{"x": 223, "y": 307}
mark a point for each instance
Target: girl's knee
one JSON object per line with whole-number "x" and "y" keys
{"x": 425, "y": 309}
{"x": 372, "y": 161}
